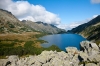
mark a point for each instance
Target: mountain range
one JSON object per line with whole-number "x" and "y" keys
{"x": 89, "y": 30}
{"x": 10, "y": 24}
{"x": 43, "y": 27}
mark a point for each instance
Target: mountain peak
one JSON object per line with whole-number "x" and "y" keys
{"x": 44, "y": 27}
{"x": 5, "y": 11}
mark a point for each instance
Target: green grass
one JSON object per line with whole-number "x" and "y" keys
{"x": 41, "y": 41}
{"x": 28, "y": 44}
{"x": 98, "y": 42}
{"x": 28, "y": 49}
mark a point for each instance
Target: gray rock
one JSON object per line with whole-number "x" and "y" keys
{"x": 75, "y": 61}
{"x": 98, "y": 64}
{"x": 72, "y": 50}
{"x": 3, "y": 62}
{"x": 13, "y": 59}
{"x": 83, "y": 55}
{"x": 56, "y": 62}
{"x": 99, "y": 46}
{"x": 90, "y": 64}
{"x": 67, "y": 63}
{"x": 89, "y": 47}
{"x": 86, "y": 45}
{"x": 95, "y": 58}
{"x": 47, "y": 64}
{"x": 81, "y": 65}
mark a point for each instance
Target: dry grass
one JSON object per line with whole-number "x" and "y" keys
{"x": 6, "y": 42}
{"x": 24, "y": 37}
{"x": 19, "y": 44}
{"x": 37, "y": 45}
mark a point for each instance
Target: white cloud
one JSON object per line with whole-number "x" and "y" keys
{"x": 75, "y": 24}
{"x": 68, "y": 26}
{"x": 25, "y": 10}
{"x": 94, "y": 16}
{"x": 95, "y": 1}
{"x": 63, "y": 26}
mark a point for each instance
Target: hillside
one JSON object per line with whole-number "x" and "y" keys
{"x": 17, "y": 38}
{"x": 44, "y": 27}
{"x": 89, "y": 30}
{"x": 10, "y": 24}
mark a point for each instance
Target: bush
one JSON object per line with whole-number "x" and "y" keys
{"x": 11, "y": 26}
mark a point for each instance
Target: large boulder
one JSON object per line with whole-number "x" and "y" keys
{"x": 90, "y": 51}
{"x": 89, "y": 47}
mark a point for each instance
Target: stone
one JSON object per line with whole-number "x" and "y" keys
{"x": 83, "y": 55}
{"x": 99, "y": 46}
{"x": 95, "y": 58}
{"x": 37, "y": 64}
{"x": 46, "y": 64}
{"x": 3, "y": 62}
{"x": 89, "y": 47}
{"x": 67, "y": 63}
{"x": 72, "y": 50}
{"x": 75, "y": 60}
{"x": 57, "y": 62}
{"x": 86, "y": 45}
{"x": 90, "y": 64}
{"x": 98, "y": 64}
{"x": 81, "y": 65}
{"x": 13, "y": 59}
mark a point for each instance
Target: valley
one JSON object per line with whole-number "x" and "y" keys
{"x": 22, "y": 44}
{"x": 18, "y": 38}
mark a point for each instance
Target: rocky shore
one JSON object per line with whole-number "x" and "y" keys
{"x": 89, "y": 55}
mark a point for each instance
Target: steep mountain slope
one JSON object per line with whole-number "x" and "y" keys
{"x": 44, "y": 27}
{"x": 10, "y": 24}
{"x": 90, "y": 30}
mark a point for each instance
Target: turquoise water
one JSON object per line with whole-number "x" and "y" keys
{"x": 63, "y": 40}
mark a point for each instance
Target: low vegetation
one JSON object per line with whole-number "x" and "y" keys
{"x": 22, "y": 44}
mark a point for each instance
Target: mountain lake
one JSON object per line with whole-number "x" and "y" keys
{"x": 63, "y": 40}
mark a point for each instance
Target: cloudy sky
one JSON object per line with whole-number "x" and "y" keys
{"x": 64, "y": 14}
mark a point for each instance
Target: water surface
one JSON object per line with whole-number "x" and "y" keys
{"x": 63, "y": 40}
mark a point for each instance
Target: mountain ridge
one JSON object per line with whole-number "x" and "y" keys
{"x": 44, "y": 27}
{"x": 89, "y": 30}
{"x": 10, "y": 24}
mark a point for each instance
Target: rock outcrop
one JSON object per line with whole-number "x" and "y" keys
{"x": 89, "y": 55}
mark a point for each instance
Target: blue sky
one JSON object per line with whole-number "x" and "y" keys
{"x": 70, "y": 10}
{"x": 65, "y": 14}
